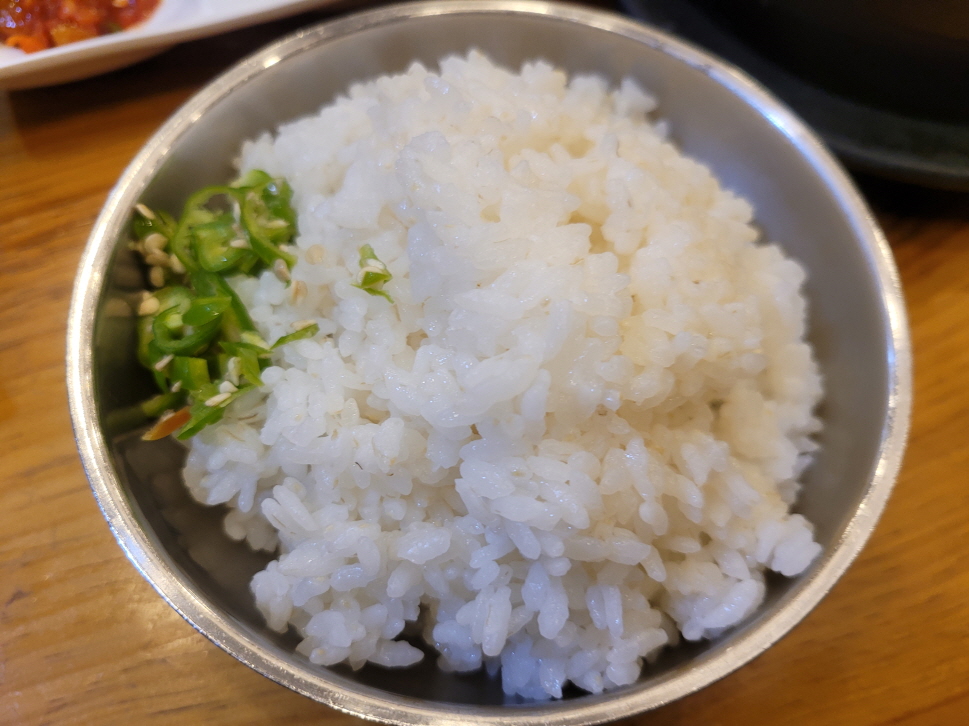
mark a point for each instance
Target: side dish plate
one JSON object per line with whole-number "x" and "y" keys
{"x": 174, "y": 21}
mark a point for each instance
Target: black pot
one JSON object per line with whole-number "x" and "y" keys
{"x": 910, "y": 56}
{"x": 885, "y": 82}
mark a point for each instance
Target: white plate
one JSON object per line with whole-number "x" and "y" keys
{"x": 173, "y": 22}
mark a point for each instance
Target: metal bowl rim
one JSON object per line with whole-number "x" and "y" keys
{"x": 371, "y": 703}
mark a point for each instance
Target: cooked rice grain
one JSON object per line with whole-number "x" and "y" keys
{"x": 576, "y": 432}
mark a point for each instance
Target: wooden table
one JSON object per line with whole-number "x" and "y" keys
{"x": 84, "y": 639}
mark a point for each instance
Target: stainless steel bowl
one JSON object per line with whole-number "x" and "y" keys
{"x": 755, "y": 145}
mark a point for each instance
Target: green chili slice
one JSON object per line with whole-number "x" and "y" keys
{"x": 195, "y": 214}
{"x": 145, "y": 337}
{"x": 200, "y": 330}
{"x": 252, "y": 178}
{"x": 191, "y": 372}
{"x": 157, "y": 405}
{"x": 216, "y": 244}
{"x": 159, "y": 222}
{"x": 305, "y": 332}
{"x": 260, "y": 223}
{"x": 173, "y": 336}
{"x": 373, "y": 274}
{"x": 252, "y": 359}
{"x": 208, "y": 408}
{"x": 174, "y": 296}
{"x": 235, "y": 319}
{"x": 205, "y": 310}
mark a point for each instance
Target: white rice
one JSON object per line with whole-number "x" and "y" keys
{"x": 576, "y": 432}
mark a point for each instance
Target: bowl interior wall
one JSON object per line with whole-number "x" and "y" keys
{"x": 745, "y": 150}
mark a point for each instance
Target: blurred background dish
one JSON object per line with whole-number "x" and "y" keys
{"x": 174, "y": 21}
{"x": 885, "y": 82}
{"x": 35, "y": 25}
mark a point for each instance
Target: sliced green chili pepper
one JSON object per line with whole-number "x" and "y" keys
{"x": 252, "y": 359}
{"x": 195, "y": 214}
{"x": 306, "y": 332}
{"x": 255, "y": 340}
{"x": 160, "y": 222}
{"x": 156, "y": 356}
{"x": 277, "y": 196}
{"x": 252, "y": 178}
{"x": 201, "y": 416}
{"x": 205, "y": 310}
{"x": 250, "y": 366}
{"x": 181, "y": 245}
{"x": 157, "y": 405}
{"x": 213, "y": 244}
{"x": 173, "y": 336}
{"x": 208, "y": 408}
{"x": 145, "y": 337}
{"x": 200, "y": 330}
{"x": 125, "y": 419}
{"x": 174, "y": 296}
{"x": 373, "y": 274}
{"x": 258, "y": 221}
{"x": 235, "y": 320}
{"x": 193, "y": 373}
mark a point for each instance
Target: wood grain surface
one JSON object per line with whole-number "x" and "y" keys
{"x": 85, "y": 640}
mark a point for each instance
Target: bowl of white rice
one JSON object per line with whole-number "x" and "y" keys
{"x": 631, "y": 397}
